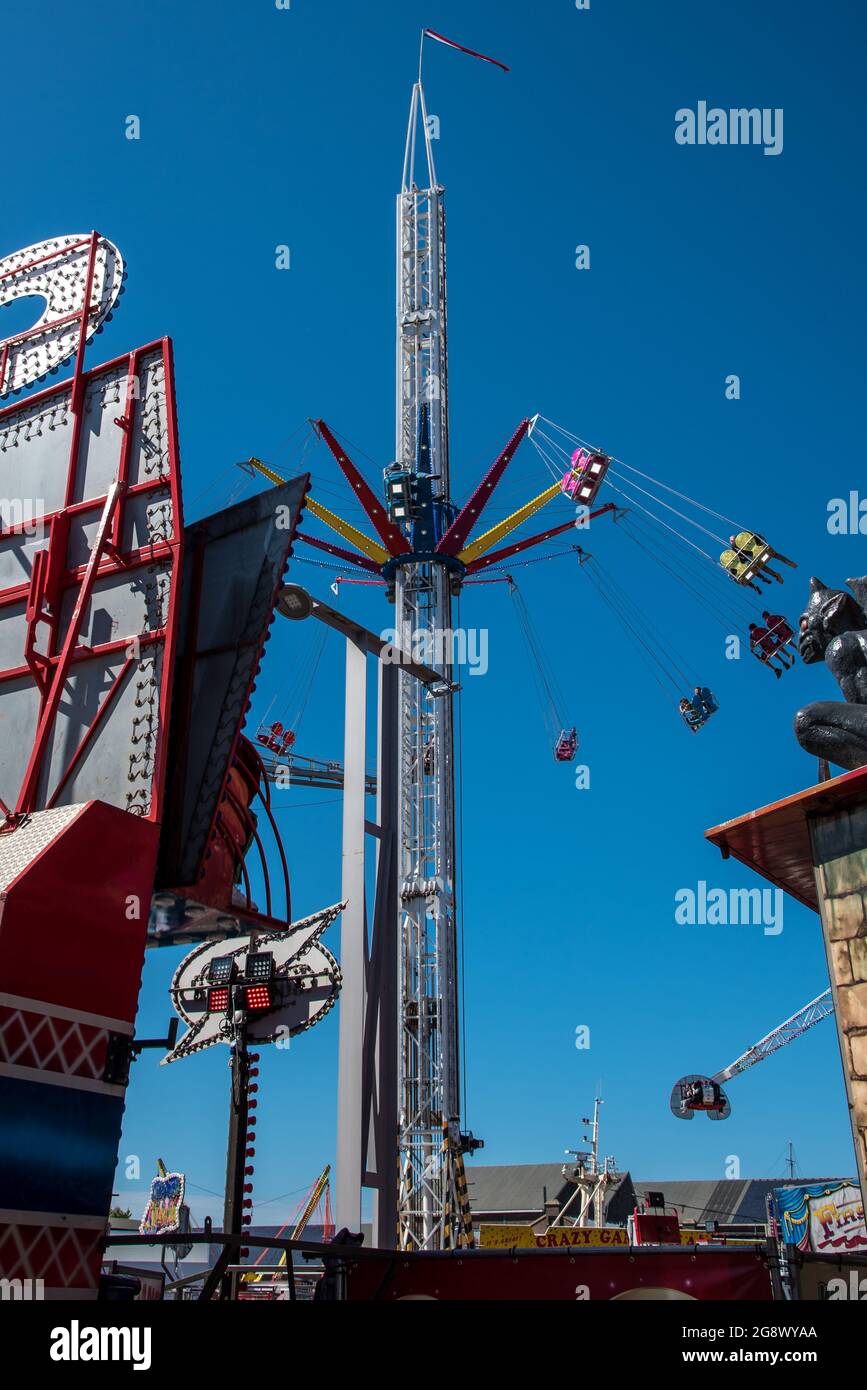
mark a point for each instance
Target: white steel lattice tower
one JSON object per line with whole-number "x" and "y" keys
{"x": 427, "y": 1065}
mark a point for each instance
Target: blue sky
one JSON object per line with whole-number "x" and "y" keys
{"x": 262, "y": 127}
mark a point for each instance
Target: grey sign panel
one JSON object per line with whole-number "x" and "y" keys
{"x": 70, "y": 465}
{"x": 233, "y": 570}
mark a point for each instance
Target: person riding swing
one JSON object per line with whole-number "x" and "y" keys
{"x": 765, "y": 647}
{"x": 780, "y": 633}
{"x": 749, "y": 560}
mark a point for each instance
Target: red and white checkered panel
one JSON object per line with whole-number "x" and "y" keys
{"x": 64, "y": 1256}
{"x": 31, "y": 1037}
{"x": 75, "y": 887}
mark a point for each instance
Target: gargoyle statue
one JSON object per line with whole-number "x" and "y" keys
{"x": 834, "y": 627}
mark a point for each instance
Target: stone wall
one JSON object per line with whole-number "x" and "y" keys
{"x": 840, "y": 856}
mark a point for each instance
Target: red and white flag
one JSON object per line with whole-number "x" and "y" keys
{"x": 450, "y": 43}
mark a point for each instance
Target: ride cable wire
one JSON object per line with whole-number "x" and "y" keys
{"x": 724, "y": 609}
{"x": 637, "y": 623}
{"x": 553, "y": 468}
{"x": 302, "y": 691}
{"x": 659, "y": 521}
{"x": 640, "y": 618}
{"x": 503, "y": 571}
{"x": 717, "y": 614}
{"x": 749, "y": 609}
{"x": 549, "y": 695}
{"x": 612, "y": 472}
{"x": 637, "y": 615}
{"x": 722, "y": 613}
{"x": 685, "y": 560}
{"x": 647, "y": 654}
{"x": 737, "y": 602}
{"x": 684, "y": 497}
{"x": 619, "y": 601}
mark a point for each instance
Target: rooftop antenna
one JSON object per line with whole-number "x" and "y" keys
{"x": 591, "y": 1178}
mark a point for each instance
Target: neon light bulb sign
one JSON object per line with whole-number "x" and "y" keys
{"x": 80, "y": 277}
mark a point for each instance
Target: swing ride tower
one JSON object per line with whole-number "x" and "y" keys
{"x": 400, "y": 1074}
{"x": 422, "y": 555}
{"x": 428, "y": 1100}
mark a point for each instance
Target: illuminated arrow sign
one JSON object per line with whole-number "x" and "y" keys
{"x": 281, "y": 982}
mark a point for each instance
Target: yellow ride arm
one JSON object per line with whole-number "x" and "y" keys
{"x": 503, "y": 528}
{"x": 349, "y": 533}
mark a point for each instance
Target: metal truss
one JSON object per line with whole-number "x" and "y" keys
{"x": 428, "y": 1089}
{"x": 787, "y": 1032}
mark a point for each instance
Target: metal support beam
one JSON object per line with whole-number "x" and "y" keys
{"x": 296, "y": 770}
{"x": 367, "y": 1099}
{"x": 28, "y": 794}
{"x": 379, "y": 1095}
{"x": 497, "y": 557}
{"x": 353, "y": 933}
{"x": 339, "y": 552}
{"x": 233, "y": 1206}
{"x": 388, "y": 533}
{"x": 509, "y": 524}
{"x": 787, "y": 1032}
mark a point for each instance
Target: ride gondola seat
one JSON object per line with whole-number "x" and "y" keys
{"x": 750, "y": 555}
{"x": 276, "y": 739}
{"x": 585, "y": 477}
{"x": 566, "y": 746}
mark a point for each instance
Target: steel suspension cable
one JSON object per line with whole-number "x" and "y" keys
{"x": 726, "y": 616}
{"x": 635, "y": 614}
{"x": 659, "y": 521}
{"x": 556, "y": 471}
{"x": 553, "y": 469}
{"x": 545, "y": 683}
{"x": 659, "y": 502}
{"x": 735, "y": 601}
{"x": 624, "y": 599}
{"x": 684, "y": 497}
{"x": 307, "y": 687}
{"x": 648, "y": 655}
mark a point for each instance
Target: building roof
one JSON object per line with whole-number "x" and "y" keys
{"x": 775, "y": 840}
{"x": 727, "y": 1199}
{"x": 515, "y": 1187}
{"x": 521, "y": 1189}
